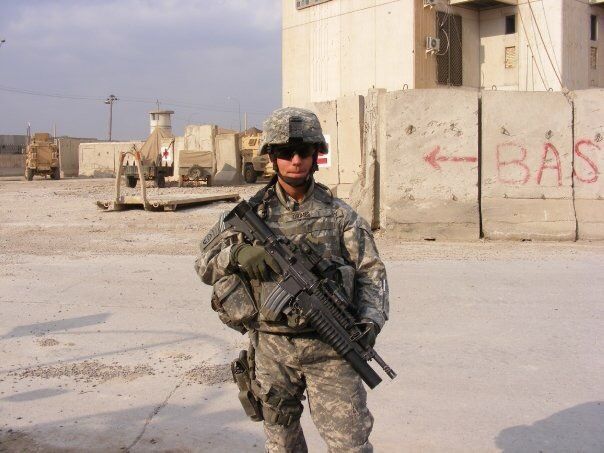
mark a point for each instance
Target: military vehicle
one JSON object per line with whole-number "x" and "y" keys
{"x": 195, "y": 166}
{"x": 157, "y": 159}
{"x": 252, "y": 164}
{"x": 42, "y": 157}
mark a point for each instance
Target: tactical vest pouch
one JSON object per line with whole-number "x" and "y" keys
{"x": 241, "y": 375}
{"x": 345, "y": 277}
{"x": 233, "y": 301}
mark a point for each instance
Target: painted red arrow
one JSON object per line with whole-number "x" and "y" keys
{"x": 433, "y": 158}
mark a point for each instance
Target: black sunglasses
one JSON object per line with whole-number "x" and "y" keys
{"x": 288, "y": 152}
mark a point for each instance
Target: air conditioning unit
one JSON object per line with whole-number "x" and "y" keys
{"x": 432, "y": 44}
{"x": 430, "y": 3}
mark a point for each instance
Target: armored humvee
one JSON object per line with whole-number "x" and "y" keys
{"x": 254, "y": 165}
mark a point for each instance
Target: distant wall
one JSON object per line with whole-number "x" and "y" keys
{"x": 101, "y": 159}
{"x": 69, "y": 154}
{"x": 12, "y": 164}
{"x": 455, "y": 164}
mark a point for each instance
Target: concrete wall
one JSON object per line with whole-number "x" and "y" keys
{"x": 101, "y": 159}
{"x": 589, "y": 163}
{"x": 428, "y": 164}
{"x": 527, "y": 156}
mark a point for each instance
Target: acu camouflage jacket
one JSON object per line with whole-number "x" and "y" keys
{"x": 340, "y": 234}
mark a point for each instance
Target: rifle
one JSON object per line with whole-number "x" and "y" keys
{"x": 306, "y": 288}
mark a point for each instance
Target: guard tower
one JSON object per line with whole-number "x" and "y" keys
{"x": 160, "y": 118}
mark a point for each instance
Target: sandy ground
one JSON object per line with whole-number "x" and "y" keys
{"x": 107, "y": 341}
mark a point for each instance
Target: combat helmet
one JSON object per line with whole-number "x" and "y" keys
{"x": 290, "y": 125}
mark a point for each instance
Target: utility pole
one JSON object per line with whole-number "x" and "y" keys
{"x": 110, "y": 100}
{"x": 231, "y": 98}
{"x": 245, "y": 121}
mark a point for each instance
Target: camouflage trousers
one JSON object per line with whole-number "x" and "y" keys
{"x": 288, "y": 365}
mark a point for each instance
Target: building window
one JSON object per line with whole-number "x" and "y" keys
{"x": 593, "y": 58}
{"x": 449, "y": 61}
{"x": 510, "y": 24}
{"x": 301, "y": 4}
{"x": 510, "y": 57}
{"x": 593, "y": 28}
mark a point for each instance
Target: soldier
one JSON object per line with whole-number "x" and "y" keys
{"x": 286, "y": 356}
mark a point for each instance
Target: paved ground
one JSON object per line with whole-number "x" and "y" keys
{"x": 107, "y": 341}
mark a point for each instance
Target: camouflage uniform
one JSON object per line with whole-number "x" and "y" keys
{"x": 289, "y": 356}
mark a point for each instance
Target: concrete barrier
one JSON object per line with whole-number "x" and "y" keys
{"x": 527, "y": 166}
{"x": 329, "y": 168}
{"x": 428, "y": 161}
{"x": 228, "y": 160}
{"x": 589, "y": 163}
{"x": 350, "y": 112}
{"x": 364, "y": 195}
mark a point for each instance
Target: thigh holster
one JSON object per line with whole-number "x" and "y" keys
{"x": 274, "y": 407}
{"x": 242, "y": 375}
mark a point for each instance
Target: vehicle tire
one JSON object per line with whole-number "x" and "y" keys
{"x": 55, "y": 173}
{"x": 29, "y": 174}
{"x": 195, "y": 173}
{"x": 249, "y": 174}
{"x": 160, "y": 181}
{"x": 131, "y": 181}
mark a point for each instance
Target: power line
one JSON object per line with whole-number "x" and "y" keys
{"x": 50, "y": 95}
{"x": 528, "y": 41}
{"x": 168, "y": 102}
{"x": 545, "y": 45}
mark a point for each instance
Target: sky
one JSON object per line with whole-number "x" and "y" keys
{"x": 204, "y": 59}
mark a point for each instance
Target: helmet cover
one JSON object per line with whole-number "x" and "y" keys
{"x": 291, "y": 125}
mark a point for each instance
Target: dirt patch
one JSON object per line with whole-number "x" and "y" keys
{"x": 180, "y": 356}
{"x": 45, "y": 342}
{"x": 87, "y": 371}
{"x": 210, "y": 374}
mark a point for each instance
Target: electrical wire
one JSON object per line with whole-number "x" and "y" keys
{"x": 545, "y": 45}
{"x": 528, "y": 41}
{"x": 550, "y": 38}
{"x": 168, "y": 102}
{"x": 538, "y": 51}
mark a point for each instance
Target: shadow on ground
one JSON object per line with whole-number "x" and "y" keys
{"x": 144, "y": 428}
{"x": 579, "y": 428}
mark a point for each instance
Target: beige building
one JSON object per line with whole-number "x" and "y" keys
{"x": 333, "y": 48}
